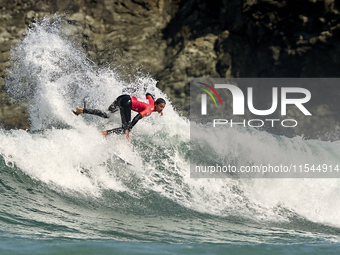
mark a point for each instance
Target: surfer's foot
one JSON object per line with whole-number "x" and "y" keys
{"x": 104, "y": 133}
{"x": 78, "y": 111}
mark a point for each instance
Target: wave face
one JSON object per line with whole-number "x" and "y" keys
{"x": 63, "y": 179}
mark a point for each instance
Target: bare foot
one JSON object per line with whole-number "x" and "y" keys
{"x": 79, "y": 111}
{"x": 104, "y": 133}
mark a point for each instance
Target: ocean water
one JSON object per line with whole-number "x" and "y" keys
{"x": 64, "y": 189}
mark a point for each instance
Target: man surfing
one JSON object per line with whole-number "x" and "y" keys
{"x": 126, "y": 103}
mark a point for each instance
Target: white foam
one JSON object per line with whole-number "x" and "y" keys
{"x": 55, "y": 77}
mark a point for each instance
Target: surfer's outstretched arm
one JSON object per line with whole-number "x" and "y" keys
{"x": 91, "y": 111}
{"x": 134, "y": 121}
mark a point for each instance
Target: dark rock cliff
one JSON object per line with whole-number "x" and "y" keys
{"x": 179, "y": 40}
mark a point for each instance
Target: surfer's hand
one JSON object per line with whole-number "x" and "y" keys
{"x": 104, "y": 133}
{"x": 161, "y": 113}
{"x": 127, "y": 135}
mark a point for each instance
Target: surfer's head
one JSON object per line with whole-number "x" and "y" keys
{"x": 159, "y": 105}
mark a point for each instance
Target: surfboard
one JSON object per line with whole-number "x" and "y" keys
{"x": 122, "y": 160}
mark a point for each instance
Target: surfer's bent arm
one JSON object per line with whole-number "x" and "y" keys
{"x": 134, "y": 121}
{"x": 148, "y": 94}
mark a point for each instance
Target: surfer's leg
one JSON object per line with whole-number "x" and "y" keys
{"x": 96, "y": 112}
{"x": 117, "y": 103}
{"x": 125, "y": 111}
{"x": 114, "y": 107}
{"x": 124, "y": 103}
{"x": 91, "y": 111}
{"x": 115, "y": 131}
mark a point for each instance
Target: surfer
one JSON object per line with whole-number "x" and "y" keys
{"x": 126, "y": 103}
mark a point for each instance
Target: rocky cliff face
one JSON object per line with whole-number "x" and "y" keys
{"x": 179, "y": 40}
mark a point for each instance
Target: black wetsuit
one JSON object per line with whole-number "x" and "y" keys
{"x": 124, "y": 103}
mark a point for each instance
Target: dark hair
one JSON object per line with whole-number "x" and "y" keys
{"x": 160, "y": 100}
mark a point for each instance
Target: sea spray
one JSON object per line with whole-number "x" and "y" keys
{"x": 67, "y": 153}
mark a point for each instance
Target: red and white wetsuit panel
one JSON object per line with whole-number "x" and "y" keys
{"x": 144, "y": 106}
